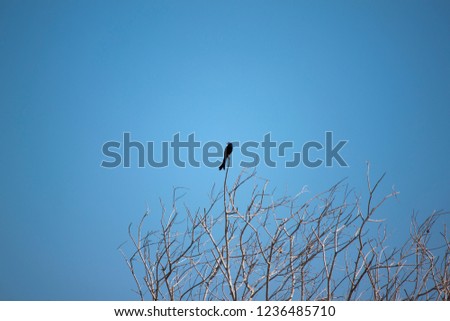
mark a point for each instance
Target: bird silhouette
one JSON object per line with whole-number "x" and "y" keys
{"x": 226, "y": 154}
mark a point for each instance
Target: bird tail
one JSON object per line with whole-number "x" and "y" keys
{"x": 222, "y": 166}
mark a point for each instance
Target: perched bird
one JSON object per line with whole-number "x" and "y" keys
{"x": 226, "y": 154}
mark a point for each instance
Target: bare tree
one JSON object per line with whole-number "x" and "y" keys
{"x": 247, "y": 245}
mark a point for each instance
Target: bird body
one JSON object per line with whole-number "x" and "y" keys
{"x": 226, "y": 154}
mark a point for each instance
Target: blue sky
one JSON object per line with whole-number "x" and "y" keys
{"x": 76, "y": 74}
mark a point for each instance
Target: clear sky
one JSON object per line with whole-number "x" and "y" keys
{"x": 76, "y": 74}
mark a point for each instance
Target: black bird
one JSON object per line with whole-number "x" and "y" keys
{"x": 226, "y": 154}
